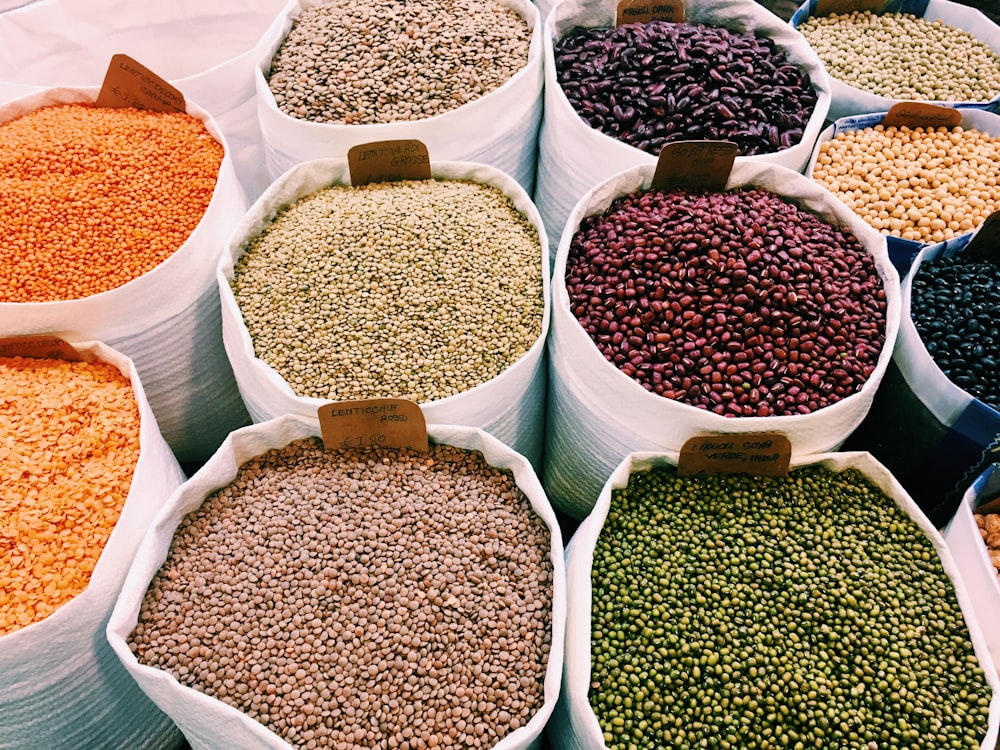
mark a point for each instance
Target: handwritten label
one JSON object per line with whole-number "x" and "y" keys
{"x": 373, "y": 423}
{"x": 695, "y": 164}
{"x": 131, "y": 84}
{"x": 644, "y": 11}
{"x": 760, "y": 453}
{"x": 985, "y": 243}
{"x": 843, "y": 7}
{"x": 388, "y": 161}
{"x": 921, "y": 115}
{"x": 38, "y": 347}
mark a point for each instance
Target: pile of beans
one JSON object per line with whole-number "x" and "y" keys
{"x": 382, "y": 600}
{"x": 905, "y": 57}
{"x": 738, "y": 302}
{"x": 649, "y": 84}
{"x": 806, "y": 611}
{"x": 953, "y": 305}
{"x": 989, "y": 529}
{"x": 358, "y": 63}
{"x": 418, "y": 289}
{"x": 920, "y": 184}
{"x": 91, "y": 198}
{"x": 70, "y": 441}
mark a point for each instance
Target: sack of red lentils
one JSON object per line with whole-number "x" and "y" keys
{"x": 615, "y": 96}
{"x": 113, "y": 223}
{"x": 432, "y": 290}
{"x": 85, "y": 471}
{"x": 765, "y": 307}
{"x": 464, "y": 78}
{"x": 913, "y": 50}
{"x": 817, "y": 609}
{"x": 290, "y": 596}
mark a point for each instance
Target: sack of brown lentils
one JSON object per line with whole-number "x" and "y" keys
{"x": 615, "y": 96}
{"x": 433, "y": 290}
{"x": 913, "y": 50}
{"x": 123, "y": 248}
{"x": 85, "y": 471}
{"x": 768, "y": 306}
{"x": 817, "y": 609}
{"x": 463, "y": 77}
{"x": 293, "y": 596}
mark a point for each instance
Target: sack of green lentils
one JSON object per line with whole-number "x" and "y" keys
{"x": 913, "y": 50}
{"x": 615, "y": 96}
{"x": 464, "y": 78}
{"x": 113, "y": 221}
{"x": 85, "y": 471}
{"x": 433, "y": 290}
{"x": 819, "y": 609}
{"x": 292, "y": 596}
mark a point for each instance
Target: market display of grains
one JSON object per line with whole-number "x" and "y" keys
{"x": 92, "y": 198}
{"x": 738, "y": 302}
{"x": 357, "y": 64}
{"x": 377, "y": 599}
{"x": 806, "y": 611}
{"x": 989, "y": 527}
{"x": 418, "y": 289}
{"x": 69, "y": 442}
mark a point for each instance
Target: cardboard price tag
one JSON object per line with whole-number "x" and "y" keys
{"x": 130, "y": 84}
{"x": 38, "y": 347}
{"x": 695, "y": 164}
{"x": 843, "y": 7}
{"x": 644, "y": 11}
{"x": 985, "y": 243}
{"x": 921, "y": 115}
{"x": 393, "y": 423}
{"x": 761, "y": 453}
{"x": 388, "y": 161}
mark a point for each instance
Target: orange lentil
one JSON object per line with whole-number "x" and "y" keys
{"x": 69, "y": 442}
{"x": 91, "y": 198}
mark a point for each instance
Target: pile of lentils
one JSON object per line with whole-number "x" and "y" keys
{"x": 360, "y": 63}
{"x": 380, "y": 600}
{"x": 905, "y": 57}
{"x": 953, "y": 304}
{"x": 647, "y": 84}
{"x": 418, "y": 289}
{"x": 806, "y": 611}
{"x": 738, "y": 302}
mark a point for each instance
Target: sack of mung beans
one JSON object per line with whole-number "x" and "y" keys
{"x": 912, "y": 50}
{"x": 614, "y": 96}
{"x": 113, "y": 221}
{"x": 817, "y": 609}
{"x": 85, "y": 470}
{"x": 464, "y": 78}
{"x": 765, "y": 307}
{"x": 293, "y": 596}
{"x": 433, "y": 290}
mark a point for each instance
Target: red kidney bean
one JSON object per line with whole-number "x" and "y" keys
{"x": 648, "y": 84}
{"x": 738, "y": 302}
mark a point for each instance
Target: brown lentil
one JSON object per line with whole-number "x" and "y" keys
{"x": 69, "y": 442}
{"x": 382, "y": 599}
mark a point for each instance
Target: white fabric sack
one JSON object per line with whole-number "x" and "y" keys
{"x": 511, "y": 406}
{"x": 211, "y": 724}
{"x": 61, "y": 685}
{"x": 573, "y": 157}
{"x": 574, "y": 721}
{"x": 500, "y": 128}
{"x": 207, "y": 50}
{"x": 167, "y": 320}
{"x": 597, "y": 414}
{"x": 848, "y": 100}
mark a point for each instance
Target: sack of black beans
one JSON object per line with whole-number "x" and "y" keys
{"x": 615, "y": 96}
{"x": 290, "y": 595}
{"x": 464, "y": 78}
{"x": 817, "y": 609}
{"x": 433, "y": 290}
{"x": 85, "y": 472}
{"x": 767, "y": 306}
{"x": 910, "y": 50}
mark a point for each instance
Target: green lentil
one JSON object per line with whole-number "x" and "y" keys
{"x": 802, "y": 611}
{"x": 418, "y": 289}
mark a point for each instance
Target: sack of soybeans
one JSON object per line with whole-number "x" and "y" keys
{"x": 816, "y": 609}
{"x": 293, "y": 596}
{"x": 435, "y": 290}
{"x": 764, "y": 307}
{"x": 614, "y": 95}
{"x": 85, "y": 470}
{"x": 463, "y": 77}
{"x": 113, "y": 221}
